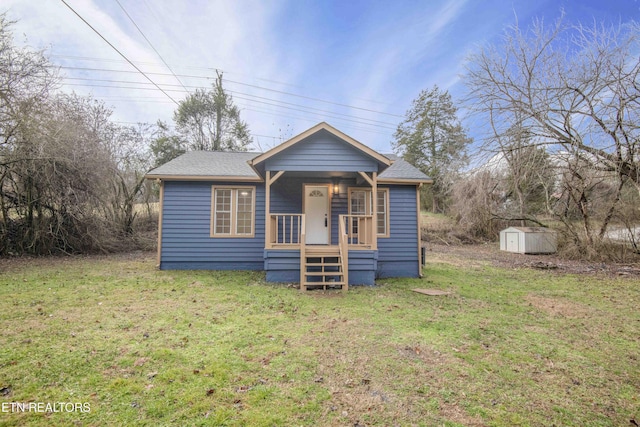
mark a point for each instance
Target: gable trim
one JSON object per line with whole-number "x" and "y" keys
{"x": 320, "y": 126}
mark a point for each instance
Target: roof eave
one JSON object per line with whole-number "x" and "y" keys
{"x": 204, "y": 178}
{"x": 382, "y": 180}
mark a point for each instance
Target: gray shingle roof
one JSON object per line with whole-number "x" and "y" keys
{"x": 208, "y": 163}
{"x": 401, "y": 169}
{"x": 230, "y": 164}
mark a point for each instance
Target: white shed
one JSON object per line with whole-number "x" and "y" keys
{"x": 528, "y": 240}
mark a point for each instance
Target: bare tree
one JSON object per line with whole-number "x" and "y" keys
{"x": 476, "y": 199}
{"x": 26, "y": 81}
{"x": 572, "y": 86}
{"x": 575, "y": 89}
{"x": 69, "y": 176}
{"x": 132, "y": 159}
{"x": 527, "y": 173}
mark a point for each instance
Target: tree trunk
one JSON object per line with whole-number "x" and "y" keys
{"x": 218, "y": 138}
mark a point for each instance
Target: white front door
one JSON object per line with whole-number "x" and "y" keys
{"x": 316, "y": 210}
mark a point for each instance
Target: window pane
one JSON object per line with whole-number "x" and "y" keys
{"x": 358, "y": 203}
{"x": 222, "y": 215}
{"x": 244, "y": 211}
{"x": 381, "y": 207}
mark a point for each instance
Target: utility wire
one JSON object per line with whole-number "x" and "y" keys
{"x": 120, "y": 53}
{"x": 150, "y": 44}
{"x": 239, "y": 95}
{"x": 348, "y": 124}
{"x": 244, "y": 107}
{"x": 243, "y": 84}
{"x": 137, "y": 123}
{"x": 300, "y": 108}
{"x": 192, "y": 67}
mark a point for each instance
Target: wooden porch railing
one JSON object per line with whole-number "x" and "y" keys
{"x": 286, "y": 229}
{"x": 343, "y": 243}
{"x": 359, "y": 230}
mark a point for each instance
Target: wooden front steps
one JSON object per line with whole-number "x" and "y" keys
{"x": 322, "y": 267}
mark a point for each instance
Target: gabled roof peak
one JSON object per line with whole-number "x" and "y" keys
{"x": 315, "y": 129}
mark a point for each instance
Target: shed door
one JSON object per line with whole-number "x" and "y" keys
{"x": 316, "y": 210}
{"x": 512, "y": 242}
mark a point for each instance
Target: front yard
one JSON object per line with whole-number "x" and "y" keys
{"x": 138, "y": 346}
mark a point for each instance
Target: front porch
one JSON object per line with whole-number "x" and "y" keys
{"x": 330, "y": 238}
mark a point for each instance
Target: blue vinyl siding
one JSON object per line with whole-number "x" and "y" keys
{"x": 286, "y": 195}
{"x": 186, "y": 241}
{"x": 339, "y": 206}
{"x": 322, "y": 151}
{"x": 186, "y": 222}
{"x": 362, "y": 267}
{"x": 398, "y": 254}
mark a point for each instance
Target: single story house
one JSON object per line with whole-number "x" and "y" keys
{"x": 321, "y": 209}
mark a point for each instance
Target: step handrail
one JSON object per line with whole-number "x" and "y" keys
{"x": 303, "y": 259}
{"x": 343, "y": 245}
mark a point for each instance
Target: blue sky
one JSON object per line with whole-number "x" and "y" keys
{"x": 289, "y": 64}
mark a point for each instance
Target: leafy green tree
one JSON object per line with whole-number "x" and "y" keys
{"x": 166, "y": 145}
{"x": 432, "y": 138}
{"x": 209, "y": 120}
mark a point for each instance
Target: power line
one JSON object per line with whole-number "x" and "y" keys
{"x": 190, "y": 67}
{"x": 150, "y": 44}
{"x": 239, "y": 95}
{"x": 243, "y": 84}
{"x": 120, "y": 53}
{"x": 299, "y": 108}
{"x": 341, "y": 118}
{"x": 315, "y": 121}
{"x": 309, "y": 110}
{"x": 137, "y": 123}
{"x": 347, "y": 123}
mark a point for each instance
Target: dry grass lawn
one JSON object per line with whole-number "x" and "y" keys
{"x": 508, "y": 346}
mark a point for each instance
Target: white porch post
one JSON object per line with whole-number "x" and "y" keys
{"x": 267, "y": 209}
{"x": 373, "y": 182}
{"x": 374, "y": 210}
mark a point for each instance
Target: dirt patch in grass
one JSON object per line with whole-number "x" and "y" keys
{"x": 458, "y": 415}
{"x": 559, "y": 307}
{"x": 18, "y": 263}
{"x": 429, "y": 356}
{"x": 373, "y": 380}
{"x": 490, "y": 254}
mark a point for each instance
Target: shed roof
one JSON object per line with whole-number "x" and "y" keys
{"x": 531, "y": 229}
